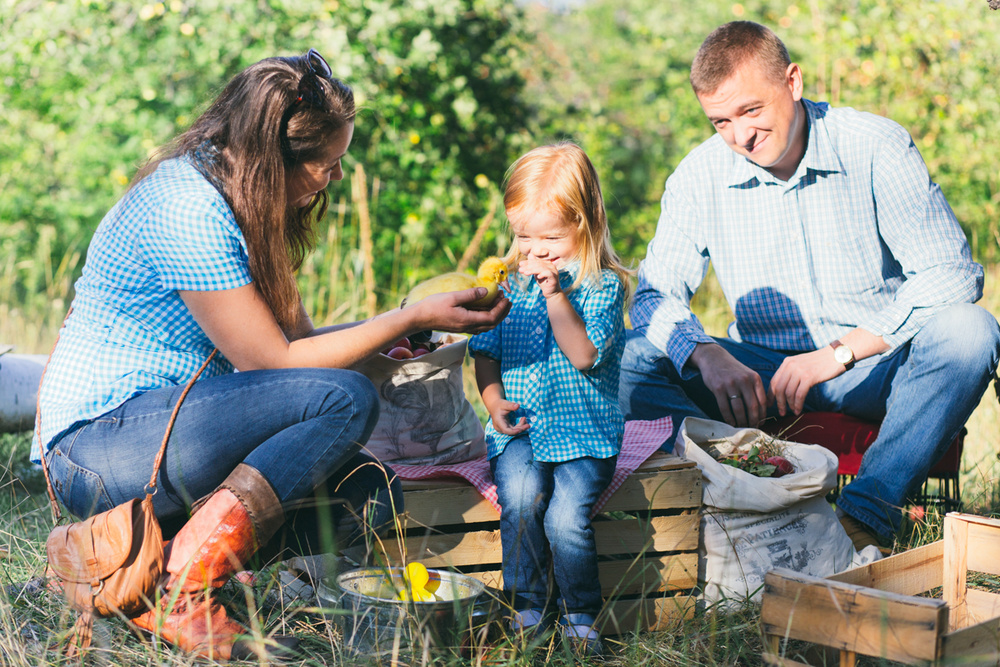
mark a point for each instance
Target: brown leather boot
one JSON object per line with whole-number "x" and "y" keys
{"x": 220, "y": 537}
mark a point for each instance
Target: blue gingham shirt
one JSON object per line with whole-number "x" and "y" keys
{"x": 571, "y": 413}
{"x": 129, "y": 331}
{"x": 858, "y": 237}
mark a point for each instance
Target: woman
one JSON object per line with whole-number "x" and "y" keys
{"x": 200, "y": 254}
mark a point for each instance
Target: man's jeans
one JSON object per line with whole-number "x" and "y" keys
{"x": 923, "y": 392}
{"x": 548, "y": 506}
{"x": 303, "y": 429}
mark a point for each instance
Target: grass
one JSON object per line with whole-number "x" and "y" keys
{"x": 337, "y": 286}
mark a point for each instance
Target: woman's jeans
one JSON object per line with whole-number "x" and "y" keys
{"x": 303, "y": 429}
{"x": 923, "y": 392}
{"x": 547, "y": 506}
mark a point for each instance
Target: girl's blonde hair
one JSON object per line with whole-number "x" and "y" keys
{"x": 561, "y": 178}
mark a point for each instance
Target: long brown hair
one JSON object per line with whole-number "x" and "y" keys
{"x": 252, "y": 136}
{"x": 560, "y": 177}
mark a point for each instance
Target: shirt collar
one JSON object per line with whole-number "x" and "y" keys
{"x": 819, "y": 156}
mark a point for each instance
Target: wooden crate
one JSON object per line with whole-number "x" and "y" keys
{"x": 647, "y": 540}
{"x": 875, "y": 610}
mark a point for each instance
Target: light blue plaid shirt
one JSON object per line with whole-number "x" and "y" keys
{"x": 572, "y": 413}
{"x": 858, "y": 237}
{"x": 129, "y": 331}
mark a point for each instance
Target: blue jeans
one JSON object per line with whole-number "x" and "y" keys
{"x": 546, "y": 507}
{"x": 923, "y": 392}
{"x": 303, "y": 429}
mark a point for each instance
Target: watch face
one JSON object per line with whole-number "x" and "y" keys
{"x": 843, "y": 354}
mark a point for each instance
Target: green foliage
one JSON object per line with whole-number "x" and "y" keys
{"x": 612, "y": 75}
{"x": 89, "y": 88}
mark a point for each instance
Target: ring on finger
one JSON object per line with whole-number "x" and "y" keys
{"x": 734, "y": 396}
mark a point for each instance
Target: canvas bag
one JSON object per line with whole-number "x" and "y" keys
{"x": 111, "y": 563}
{"x": 424, "y": 418}
{"x": 752, "y": 524}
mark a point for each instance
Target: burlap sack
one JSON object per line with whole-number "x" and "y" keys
{"x": 425, "y": 418}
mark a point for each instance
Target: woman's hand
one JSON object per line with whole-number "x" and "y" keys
{"x": 448, "y": 312}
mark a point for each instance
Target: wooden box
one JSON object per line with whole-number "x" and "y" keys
{"x": 647, "y": 540}
{"x": 883, "y": 609}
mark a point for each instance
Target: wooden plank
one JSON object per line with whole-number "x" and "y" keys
{"x": 449, "y": 502}
{"x": 664, "y": 461}
{"x": 984, "y": 546}
{"x": 445, "y": 505}
{"x": 650, "y": 614}
{"x": 680, "y": 488}
{"x": 628, "y": 536}
{"x": 909, "y": 573}
{"x": 978, "y": 645}
{"x": 667, "y": 574}
{"x": 982, "y": 606}
{"x": 852, "y": 618}
{"x": 956, "y": 571}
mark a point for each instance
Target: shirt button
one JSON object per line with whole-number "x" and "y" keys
{"x": 533, "y": 376}
{"x": 539, "y": 331}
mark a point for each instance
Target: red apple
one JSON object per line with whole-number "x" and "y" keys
{"x": 403, "y": 342}
{"x": 781, "y": 465}
{"x": 400, "y": 353}
{"x": 420, "y": 351}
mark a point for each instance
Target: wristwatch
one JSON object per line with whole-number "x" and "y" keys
{"x": 843, "y": 354}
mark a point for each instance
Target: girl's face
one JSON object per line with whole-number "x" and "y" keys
{"x": 544, "y": 234}
{"x": 309, "y": 178}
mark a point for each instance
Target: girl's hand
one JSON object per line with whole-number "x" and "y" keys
{"x": 500, "y": 414}
{"x": 545, "y": 273}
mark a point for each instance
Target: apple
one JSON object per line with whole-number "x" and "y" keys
{"x": 781, "y": 466}
{"x": 403, "y": 342}
{"x": 420, "y": 351}
{"x": 400, "y": 353}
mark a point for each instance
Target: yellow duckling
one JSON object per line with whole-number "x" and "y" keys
{"x": 491, "y": 273}
{"x": 416, "y": 578}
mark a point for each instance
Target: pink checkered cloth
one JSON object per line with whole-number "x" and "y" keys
{"x": 641, "y": 440}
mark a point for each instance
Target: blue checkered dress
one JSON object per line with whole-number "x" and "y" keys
{"x": 858, "y": 237}
{"x": 571, "y": 413}
{"x": 129, "y": 331}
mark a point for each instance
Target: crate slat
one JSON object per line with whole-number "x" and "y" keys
{"x": 852, "y": 618}
{"x": 909, "y": 573}
{"x": 460, "y": 503}
{"x": 482, "y": 547}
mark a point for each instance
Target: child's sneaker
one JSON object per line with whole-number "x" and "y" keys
{"x": 528, "y": 623}
{"x": 583, "y": 640}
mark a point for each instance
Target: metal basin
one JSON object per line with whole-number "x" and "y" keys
{"x": 372, "y": 622}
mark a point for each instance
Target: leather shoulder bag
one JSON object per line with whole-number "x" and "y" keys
{"x": 111, "y": 563}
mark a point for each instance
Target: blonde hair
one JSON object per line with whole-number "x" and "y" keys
{"x": 561, "y": 178}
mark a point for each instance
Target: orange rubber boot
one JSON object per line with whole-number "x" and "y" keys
{"x": 220, "y": 537}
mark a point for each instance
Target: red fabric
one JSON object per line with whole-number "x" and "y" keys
{"x": 849, "y": 438}
{"x": 641, "y": 440}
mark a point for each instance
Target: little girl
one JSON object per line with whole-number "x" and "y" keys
{"x": 548, "y": 375}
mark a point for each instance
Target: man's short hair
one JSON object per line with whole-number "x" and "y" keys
{"x": 732, "y": 45}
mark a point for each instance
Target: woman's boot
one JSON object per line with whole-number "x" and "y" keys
{"x": 222, "y": 534}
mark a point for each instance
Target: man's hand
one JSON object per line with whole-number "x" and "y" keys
{"x": 738, "y": 390}
{"x": 798, "y": 374}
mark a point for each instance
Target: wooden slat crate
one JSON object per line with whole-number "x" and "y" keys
{"x": 647, "y": 540}
{"x": 875, "y": 610}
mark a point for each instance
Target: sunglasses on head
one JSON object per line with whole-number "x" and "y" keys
{"x": 310, "y": 90}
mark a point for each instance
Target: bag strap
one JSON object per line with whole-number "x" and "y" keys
{"x": 150, "y": 488}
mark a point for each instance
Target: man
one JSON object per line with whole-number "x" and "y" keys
{"x": 850, "y": 279}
